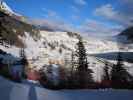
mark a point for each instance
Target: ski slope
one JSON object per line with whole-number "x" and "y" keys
{"x": 29, "y": 91}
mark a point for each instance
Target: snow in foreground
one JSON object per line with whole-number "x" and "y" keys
{"x": 14, "y": 91}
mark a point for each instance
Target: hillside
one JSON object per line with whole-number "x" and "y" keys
{"x": 128, "y": 33}
{"x": 126, "y": 36}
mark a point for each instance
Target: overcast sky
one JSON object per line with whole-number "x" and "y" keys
{"x": 92, "y": 17}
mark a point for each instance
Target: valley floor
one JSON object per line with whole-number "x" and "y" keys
{"x": 28, "y": 91}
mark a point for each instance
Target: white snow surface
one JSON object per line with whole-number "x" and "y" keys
{"x": 14, "y": 91}
{"x": 6, "y": 7}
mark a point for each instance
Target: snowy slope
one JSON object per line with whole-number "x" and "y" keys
{"x": 14, "y": 91}
{"x": 47, "y": 48}
{"x": 57, "y": 48}
{"x": 92, "y": 44}
{"x": 7, "y": 9}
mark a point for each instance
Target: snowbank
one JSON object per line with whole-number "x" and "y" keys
{"x": 14, "y": 91}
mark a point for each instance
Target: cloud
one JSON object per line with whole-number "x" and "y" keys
{"x": 54, "y": 25}
{"x": 52, "y": 21}
{"x": 75, "y": 9}
{"x": 95, "y": 28}
{"x": 49, "y": 13}
{"x": 52, "y": 13}
{"x": 75, "y": 17}
{"x": 80, "y": 2}
{"x": 110, "y": 13}
{"x": 106, "y": 11}
{"x": 89, "y": 26}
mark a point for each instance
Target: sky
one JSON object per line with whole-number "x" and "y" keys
{"x": 90, "y": 17}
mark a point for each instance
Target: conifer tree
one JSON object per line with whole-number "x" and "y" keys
{"x": 83, "y": 72}
{"x": 72, "y": 65}
{"x": 71, "y": 78}
{"x": 119, "y": 74}
{"x": 24, "y": 61}
{"x": 106, "y": 75}
{"x": 23, "y": 57}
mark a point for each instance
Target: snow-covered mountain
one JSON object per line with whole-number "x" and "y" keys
{"x": 7, "y": 9}
{"x": 43, "y": 47}
{"x": 57, "y": 47}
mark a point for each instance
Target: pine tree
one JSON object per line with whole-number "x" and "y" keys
{"x": 83, "y": 72}
{"x": 71, "y": 78}
{"x": 106, "y": 75}
{"x": 24, "y": 61}
{"x": 119, "y": 74}
{"x": 23, "y": 57}
{"x": 72, "y": 64}
{"x": 106, "y": 81}
{"x": 22, "y": 53}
